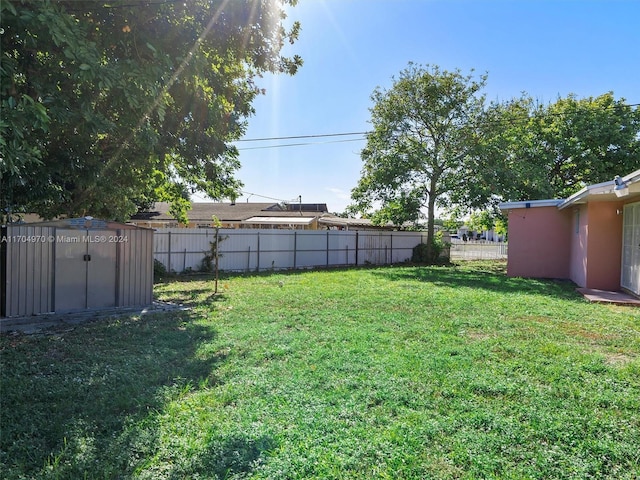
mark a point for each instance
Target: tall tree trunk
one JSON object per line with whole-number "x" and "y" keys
{"x": 431, "y": 205}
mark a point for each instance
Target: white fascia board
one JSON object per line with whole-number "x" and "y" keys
{"x": 279, "y": 220}
{"x": 633, "y": 177}
{"x": 604, "y": 188}
{"x": 552, "y": 202}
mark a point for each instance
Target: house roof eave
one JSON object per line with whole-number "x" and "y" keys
{"x": 604, "y": 188}
{"x": 604, "y": 191}
{"x": 551, "y": 202}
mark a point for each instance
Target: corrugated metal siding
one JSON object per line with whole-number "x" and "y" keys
{"x": 135, "y": 267}
{"x": 29, "y": 270}
{"x": 29, "y": 263}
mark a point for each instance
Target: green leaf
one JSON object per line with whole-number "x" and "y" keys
{"x": 84, "y": 66}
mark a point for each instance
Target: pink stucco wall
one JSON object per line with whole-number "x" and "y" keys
{"x": 539, "y": 243}
{"x": 578, "y": 244}
{"x": 581, "y": 243}
{"x": 604, "y": 246}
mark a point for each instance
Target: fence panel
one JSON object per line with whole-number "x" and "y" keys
{"x": 478, "y": 251}
{"x": 238, "y": 250}
{"x": 341, "y": 249}
{"x": 311, "y": 249}
{"x": 260, "y": 249}
{"x": 276, "y": 251}
{"x": 181, "y": 249}
{"x": 403, "y": 244}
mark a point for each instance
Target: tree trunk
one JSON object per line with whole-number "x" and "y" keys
{"x": 431, "y": 205}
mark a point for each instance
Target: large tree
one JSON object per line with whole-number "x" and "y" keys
{"x": 529, "y": 150}
{"x": 423, "y": 129}
{"x": 109, "y": 104}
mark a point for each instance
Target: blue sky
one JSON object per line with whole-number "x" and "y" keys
{"x": 545, "y": 48}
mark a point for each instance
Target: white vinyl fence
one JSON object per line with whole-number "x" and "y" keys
{"x": 478, "y": 250}
{"x": 246, "y": 250}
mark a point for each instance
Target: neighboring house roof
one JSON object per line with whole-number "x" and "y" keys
{"x": 623, "y": 188}
{"x": 334, "y": 221}
{"x": 280, "y": 220}
{"x": 230, "y": 212}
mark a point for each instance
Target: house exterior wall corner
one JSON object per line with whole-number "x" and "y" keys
{"x": 539, "y": 243}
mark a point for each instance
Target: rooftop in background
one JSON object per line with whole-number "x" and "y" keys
{"x": 233, "y": 212}
{"x": 256, "y": 215}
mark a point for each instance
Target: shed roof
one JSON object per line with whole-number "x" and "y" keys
{"x": 85, "y": 223}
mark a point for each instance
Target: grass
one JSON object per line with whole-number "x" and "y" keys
{"x": 400, "y": 372}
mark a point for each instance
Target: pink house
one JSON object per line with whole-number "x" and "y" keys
{"x": 591, "y": 238}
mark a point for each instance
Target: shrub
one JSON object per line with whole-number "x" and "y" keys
{"x": 159, "y": 270}
{"x": 421, "y": 251}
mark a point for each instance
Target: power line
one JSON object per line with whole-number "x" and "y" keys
{"x": 301, "y": 144}
{"x": 528, "y": 116}
{"x": 301, "y": 136}
{"x": 264, "y": 196}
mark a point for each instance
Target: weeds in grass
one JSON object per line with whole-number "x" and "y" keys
{"x": 404, "y": 372}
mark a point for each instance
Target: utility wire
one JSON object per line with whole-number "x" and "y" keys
{"x": 249, "y": 194}
{"x": 301, "y": 144}
{"x": 513, "y": 121}
{"x": 301, "y": 136}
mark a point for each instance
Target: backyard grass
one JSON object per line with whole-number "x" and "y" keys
{"x": 453, "y": 372}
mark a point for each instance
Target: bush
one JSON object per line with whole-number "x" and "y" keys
{"x": 421, "y": 251}
{"x": 159, "y": 270}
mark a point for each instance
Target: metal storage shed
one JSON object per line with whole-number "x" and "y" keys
{"x": 73, "y": 265}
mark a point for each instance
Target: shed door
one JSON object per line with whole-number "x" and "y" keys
{"x": 85, "y": 270}
{"x": 631, "y": 248}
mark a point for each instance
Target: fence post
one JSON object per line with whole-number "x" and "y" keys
{"x": 217, "y": 257}
{"x": 295, "y": 247}
{"x": 249, "y": 259}
{"x": 258, "y": 254}
{"x": 327, "y": 248}
{"x": 169, "y": 258}
{"x": 356, "y": 249}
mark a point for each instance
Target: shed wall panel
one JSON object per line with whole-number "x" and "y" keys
{"x": 29, "y": 282}
{"x": 135, "y": 267}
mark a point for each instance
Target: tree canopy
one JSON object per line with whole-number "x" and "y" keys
{"x": 423, "y": 130}
{"x": 107, "y": 105}
{"x": 527, "y": 150}
{"x": 434, "y": 142}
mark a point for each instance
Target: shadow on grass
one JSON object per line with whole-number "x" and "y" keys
{"x": 91, "y": 403}
{"x": 489, "y": 276}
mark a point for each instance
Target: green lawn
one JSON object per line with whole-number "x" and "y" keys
{"x": 398, "y": 372}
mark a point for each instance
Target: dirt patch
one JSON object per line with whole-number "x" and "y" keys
{"x": 618, "y": 359}
{"x": 476, "y": 335}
